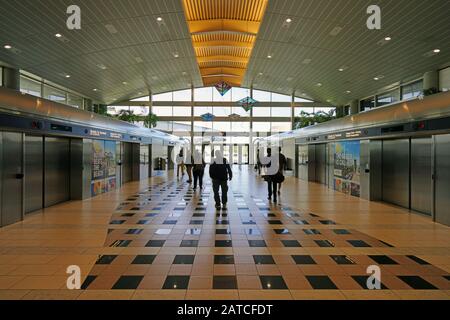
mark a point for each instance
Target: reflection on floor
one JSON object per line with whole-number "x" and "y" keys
{"x": 166, "y": 240}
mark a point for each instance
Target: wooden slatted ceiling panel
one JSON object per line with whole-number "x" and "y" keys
{"x": 247, "y": 10}
{"x": 223, "y": 34}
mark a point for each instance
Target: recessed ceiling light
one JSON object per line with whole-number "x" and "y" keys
{"x": 176, "y": 55}
{"x": 376, "y": 78}
{"x": 58, "y": 35}
{"x": 184, "y": 73}
{"x": 67, "y": 75}
{"x": 319, "y": 84}
{"x": 341, "y": 69}
{"x": 260, "y": 74}
{"x": 269, "y": 56}
{"x": 288, "y": 20}
{"x": 124, "y": 83}
{"x": 437, "y": 50}
{"x": 388, "y": 38}
{"x": 102, "y": 66}
{"x": 328, "y": 100}
{"x": 7, "y": 46}
{"x": 348, "y": 92}
{"x": 94, "y": 89}
{"x": 159, "y": 19}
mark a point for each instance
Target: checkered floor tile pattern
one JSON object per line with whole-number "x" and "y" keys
{"x": 171, "y": 237}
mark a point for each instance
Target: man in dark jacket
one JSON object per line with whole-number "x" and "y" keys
{"x": 220, "y": 172}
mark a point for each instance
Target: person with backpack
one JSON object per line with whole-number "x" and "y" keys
{"x": 198, "y": 170}
{"x": 275, "y": 174}
{"x": 220, "y": 172}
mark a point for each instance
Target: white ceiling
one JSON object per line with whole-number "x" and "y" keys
{"x": 416, "y": 27}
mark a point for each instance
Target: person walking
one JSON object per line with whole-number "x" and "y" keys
{"x": 189, "y": 163}
{"x": 220, "y": 172}
{"x": 275, "y": 175}
{"x": 198, "y": 170}
{"x": 180, "y": 164}
{"x": 283, "y": 167}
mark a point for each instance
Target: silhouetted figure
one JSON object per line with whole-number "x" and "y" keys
{"x": 180, "y": 163}
{"x": 198, "y": 169}
{"x": 275, "y": 175}
{"x": 220, "y": 172}
{"x": 189, "y": 163}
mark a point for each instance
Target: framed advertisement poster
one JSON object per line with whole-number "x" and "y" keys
{"x": 347, "y": 167}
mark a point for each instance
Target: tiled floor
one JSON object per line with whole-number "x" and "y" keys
{"x": 166, "y": 241}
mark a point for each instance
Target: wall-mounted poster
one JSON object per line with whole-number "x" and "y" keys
{"x": 110, "y": 162}
{"x": 347, "y": 167}
{"x": 103, "y": 167}
{"x": 98, "y": 167}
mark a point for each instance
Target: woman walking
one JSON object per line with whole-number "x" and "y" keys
{"x": 198, "y": 169}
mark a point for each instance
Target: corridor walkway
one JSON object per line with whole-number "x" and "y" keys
{"x": 160, "y": 239}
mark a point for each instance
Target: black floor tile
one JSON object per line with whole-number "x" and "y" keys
{"x": 223, "y": 231}
{"x": 291, "y": 243}
{"x": 224, "y": 282}
{"x": 117, "y": 222}
{"x": 273, "y": 283}
{"x": 189, "y": 243}
{"x": 121, "y": 243}
{"x": 341, "y": 231}
{"x": 223, "y": 259}
{"x": 321, "y": 282}
{"x": 198, "y": 215}
{"x": 155, "y": 243}
{"x": 248, "y": 222}
{"x": 339, "y": 259}
{"x": 196, "y": 222}
{"x": 223, "y": 243}
{"x": 274, "y": 222}
{"x": 222, "y": 222}
{"x": 170, "y": 222}
{"x": 144, "y": 222}
{"x": 417, "y": 282}
{"x": 134, "y": 231}
{"x": 359, "y": 243}
{"x": 87, "y": 282}
{"x": 362, "y": 281}
{"x": 324, "y": 243}
{"x": 281, "y": 231}
{"x": 128, "y": 282}
{"x": 328, "y": 222}
{"x": 311, "y": 231}
{"x": 303, "y": 259}
{"x": 301, "y": 222}
{"x": 151, "y": 215}
{"x": 106, "y": 259}
{"x": 184, "y": 259}
{"x": 418, "y": 260}
{"x": 144, "y": 259}
{"x": 382, "y": 259}
{"x": 127, "y": 215}
{"x": 257, "y": 243}
{"x": 263, "y": 259}
{"x": 176, "y": 282}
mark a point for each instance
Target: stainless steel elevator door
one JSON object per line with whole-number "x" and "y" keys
{"x": 34, "y": 173}
{"x": 56, "y": 170}
{"x": 396, "y": 172}
{"x": 421, "y": 179}
{"x": 12, "y": 190}
{"x": 442, "y": 182}
{"x": 127, "y": 162}
{"x": 321, "y": 163}
{"x": 302, "y": 162}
